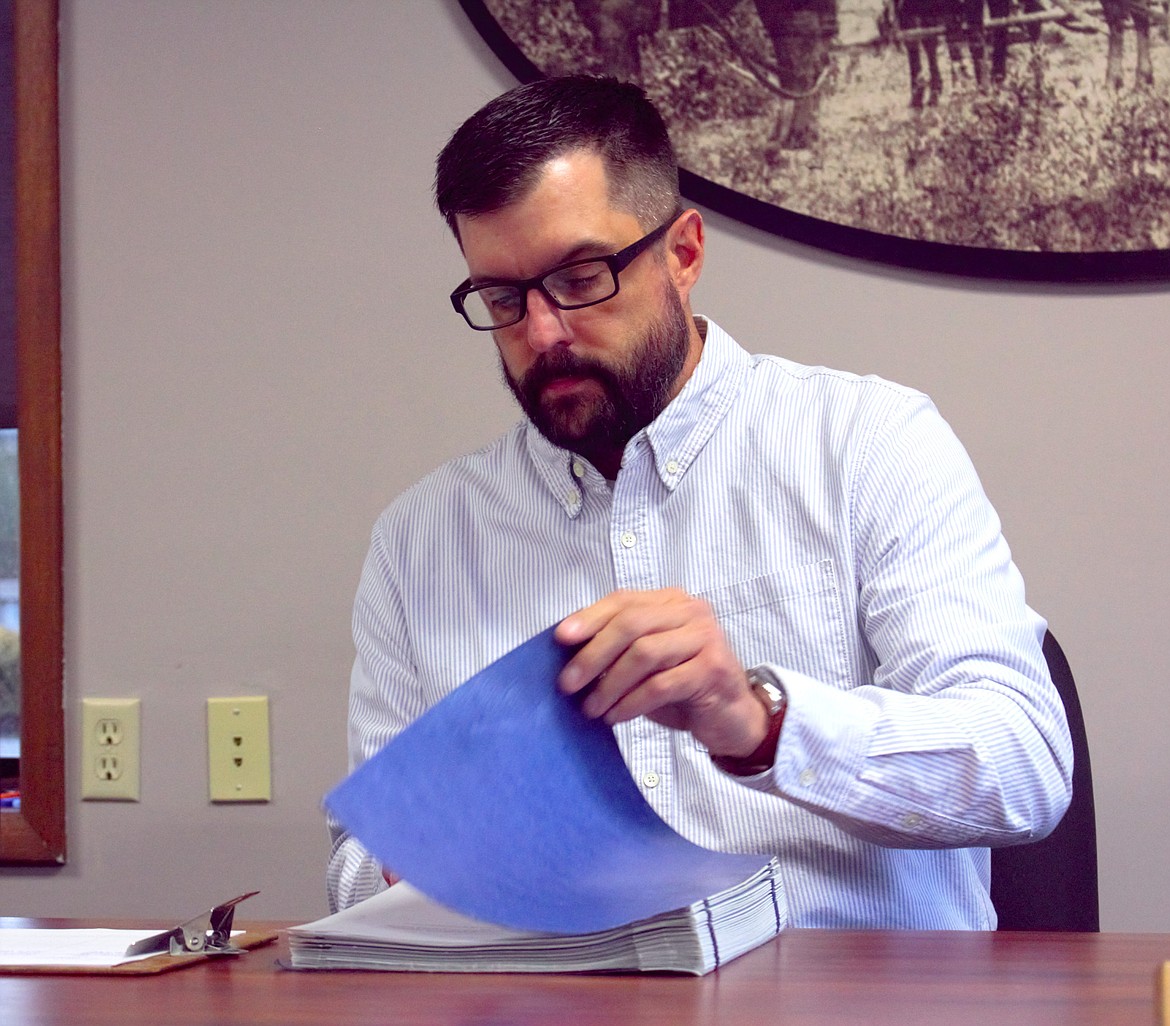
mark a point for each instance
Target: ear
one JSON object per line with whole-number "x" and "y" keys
{"x": 684, "y": 252}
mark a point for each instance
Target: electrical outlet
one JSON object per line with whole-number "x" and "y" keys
{"x": 110, "y": 749}
{"x": 238, "y": 758}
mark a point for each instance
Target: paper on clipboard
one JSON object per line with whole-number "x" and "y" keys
{"x": 89, "y": 948}
{"x": 128, "y": 951}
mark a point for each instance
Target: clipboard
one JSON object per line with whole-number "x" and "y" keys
{"x": 202, "y": 938}
{"x": 161, "y": 963}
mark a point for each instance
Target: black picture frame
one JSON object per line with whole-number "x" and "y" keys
{"x": 1124, "y": 267}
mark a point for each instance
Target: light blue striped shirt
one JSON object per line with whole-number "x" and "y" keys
{"x": 839, "y": 531}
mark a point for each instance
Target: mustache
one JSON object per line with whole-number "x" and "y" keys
{"x": 560, "y": 363}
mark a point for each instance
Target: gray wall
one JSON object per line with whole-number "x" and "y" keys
{"x": 259, "y": 354}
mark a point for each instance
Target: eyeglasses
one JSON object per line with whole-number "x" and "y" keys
{"x": 579, "y": 283}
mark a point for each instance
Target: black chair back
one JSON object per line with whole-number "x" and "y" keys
{"x": 1052, "y": 884}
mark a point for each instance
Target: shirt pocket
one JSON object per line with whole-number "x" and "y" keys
{"x": 792, "y": 617}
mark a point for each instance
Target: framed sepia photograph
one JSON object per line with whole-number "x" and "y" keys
{"x": 1024, "y": 140}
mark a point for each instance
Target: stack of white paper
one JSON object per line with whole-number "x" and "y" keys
{"x": 401, "y": 929}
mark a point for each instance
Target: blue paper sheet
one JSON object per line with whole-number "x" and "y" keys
{"x": 504, "y": 802}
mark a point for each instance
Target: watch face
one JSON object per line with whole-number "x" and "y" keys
{"x": 769, "y": 690}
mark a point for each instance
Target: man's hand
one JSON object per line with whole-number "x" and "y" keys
{"x": 662, "y": 654}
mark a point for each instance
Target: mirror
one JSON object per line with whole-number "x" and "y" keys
{"x": 34, "y": 833}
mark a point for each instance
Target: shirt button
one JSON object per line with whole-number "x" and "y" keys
{"x": 578, "y": 469}
{"x": 574, "y": 497}
{"x": 911, "y": 820}
{"x": 672, "y": 466}
{"x": 808, "y": 778}
{"x": 629, "y": 540}
{"x": 650, "y": 779}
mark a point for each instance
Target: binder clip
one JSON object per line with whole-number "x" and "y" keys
{"x": 206, "y": 934}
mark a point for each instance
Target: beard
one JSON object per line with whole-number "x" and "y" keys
{"x": 598, "y": 421}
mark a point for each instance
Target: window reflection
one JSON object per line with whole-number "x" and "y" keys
{"x": 9, "y": 610}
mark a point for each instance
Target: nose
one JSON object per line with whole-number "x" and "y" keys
{"x": 543, "y": 323}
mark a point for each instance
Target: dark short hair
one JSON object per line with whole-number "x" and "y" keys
{"x": 497, "y": 154}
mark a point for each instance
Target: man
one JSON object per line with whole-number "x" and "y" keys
{"x": 793, "y": 600}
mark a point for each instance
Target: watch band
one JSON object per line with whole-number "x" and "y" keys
{"x": 767, "y": 687}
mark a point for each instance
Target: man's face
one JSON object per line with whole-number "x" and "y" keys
{"x": 589, "y": 379}
{"x": 625, "y": 393}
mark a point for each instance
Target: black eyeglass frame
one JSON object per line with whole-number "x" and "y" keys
{"x": 616, "y": 262}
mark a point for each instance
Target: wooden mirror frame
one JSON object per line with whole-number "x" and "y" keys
{"x": 35, "y": 835}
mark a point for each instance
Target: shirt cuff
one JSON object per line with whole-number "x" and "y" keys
{"x": 823, "y": 743}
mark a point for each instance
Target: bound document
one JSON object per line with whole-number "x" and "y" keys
{"x": 503, "y": 804}
{"x": 401, "y": 929}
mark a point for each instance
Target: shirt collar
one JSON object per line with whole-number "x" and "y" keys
{"x": 675, "y": 437}
{"x": 679, "y": 433}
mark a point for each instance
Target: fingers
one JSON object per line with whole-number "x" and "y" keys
{"x": 642, "y": 652}
{"x": 661, "y": 654}
{"x": 652, "y": 671}
{"x": 585, "y": 623}
{"x": 609, "y": 627}
{"x": 668, "y": 696}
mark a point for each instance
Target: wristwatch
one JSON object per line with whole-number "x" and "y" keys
{"x": 767, "y": 687}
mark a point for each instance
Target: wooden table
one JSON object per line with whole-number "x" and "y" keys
{"x": 805, "y": 977}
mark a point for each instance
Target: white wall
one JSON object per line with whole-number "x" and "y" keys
{"x": 259, "y": 354}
